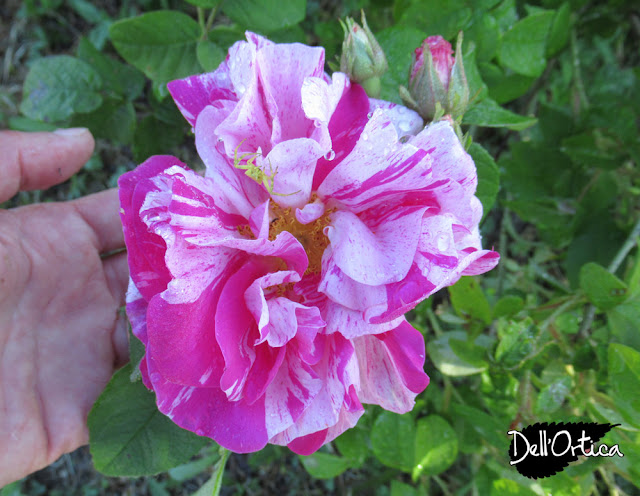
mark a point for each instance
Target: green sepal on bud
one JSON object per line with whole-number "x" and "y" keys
{"x": 437, "y": 81}
{"x": 362, "y": 57}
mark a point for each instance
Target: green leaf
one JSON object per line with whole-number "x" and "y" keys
{"x": 602, "y": 288}
{"x": 88, "y": 11}
{"x": 469, "y": 301}
{"x": 398, "y": 44}
{"x": 155, "y": 137}
{"x": 508, "y": 306}
{"x": 209, "y": 55}
{"x": 436, "y": 446}
{"x": 161, "y": 44}
{"x": 491, "y": 428}
{"x": 59, "y": 86}
{"x": 205, "y": 4}
{"x": 118, "y": 78}
{"x": 590, "y": 150}
{"x": 488, "y": 113}
{"x": 401, "y": 489}
{"x": 506, "y": 487}
{"x": 265, "y": 15}
{"x": 470, "y": 352}
{"x": 437, "y": 17}
{"x": 488, "y": 176}
{"x": 225, "y": 36}
{"x": 18, "y": 123}
{"x": 624, "y": 380}
{"x": 562, "y": 484}
{"x": 12, "y": 489}
{"x": 567, "y": 323}
{"x": 517, "y": 341}
{"x": 114, "y": 120}
{"x": 553, "y": 395}
{"x": 485, "y": 33}
{"x": 136, "y": 349}
{"x": 598, "y": 241}
{"x": 448, "y": 361}
{"x": 477, "y": 87}
{"x": 353, "y": 446}
{"x": 560, "y": 29}
{"x": 391, "y": 435}
{"x": 324, "y": 465}
{"x": 504, "y": 86}
{"x": 624, "y": 321}
{"x": 506, "y": 14}
{"x": 130, "y": 437}
{"x": 523, "y": 46}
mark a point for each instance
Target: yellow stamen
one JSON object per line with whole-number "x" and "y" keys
{"x": 310, "y": 236}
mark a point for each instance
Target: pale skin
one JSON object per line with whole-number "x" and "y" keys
{"x": 61, "y": 336}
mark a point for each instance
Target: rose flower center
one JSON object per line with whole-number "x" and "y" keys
{"x": 310, "y": 236}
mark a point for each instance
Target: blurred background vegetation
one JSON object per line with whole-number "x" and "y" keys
{"x": 552, "y": 334}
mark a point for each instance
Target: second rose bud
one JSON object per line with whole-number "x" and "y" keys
{"x": 437, "y": 82}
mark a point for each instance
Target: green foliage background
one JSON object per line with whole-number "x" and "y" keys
{"x": 552, "y": 334}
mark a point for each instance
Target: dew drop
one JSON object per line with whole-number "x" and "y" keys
{"x": 220, "y": 140}
{"x": 443, "y": 242}
{"x": 330, "y": 155}
{"x": 317, "y": 123}
{"x": 369, "y": 115}
{"x": 364, "y": 136}
{"x": 241, "y": 88}
{"x": 401, "y": 109}
{"x": 404, "y": 126}
{"x": 404, "y": 139}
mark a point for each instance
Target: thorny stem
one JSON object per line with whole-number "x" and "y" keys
{"x": 434, "y": 322}
{"x": 577, "y": 76}
{"x": 212, "y": 16}
{"x": 630, "y": 242}
{"x": 201, "y": 22}
{"x": 219, "y": 468}
{"x": 627, "y": 246}
{"x": 614, "y": 490}
{"x": 442, "y": 485}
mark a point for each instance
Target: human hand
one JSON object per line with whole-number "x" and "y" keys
{"x": 60, "y": 336}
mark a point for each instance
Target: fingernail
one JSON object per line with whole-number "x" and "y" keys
{"x": 71, "y": 131}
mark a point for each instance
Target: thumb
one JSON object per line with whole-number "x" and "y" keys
{"x": 40, "y": 160}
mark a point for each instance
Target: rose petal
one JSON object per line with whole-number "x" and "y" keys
{"x": 391, "y": 368}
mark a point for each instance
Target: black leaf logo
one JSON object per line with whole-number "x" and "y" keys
{"x": 543, "y": 449}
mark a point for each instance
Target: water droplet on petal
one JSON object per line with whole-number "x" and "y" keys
{"x": 220, "y": 140}
{"x": 364, "y": 136}
{"x": 404, "y": 139}
{"x": 317, "y": 123}
{"x": 404, "y": 126}
{"x": 241, "y": 88}
{"x": 443, "y": 242}
{"x": 401, "y": 109}
{"x": 369, "y": 115}
{"x": 330, "y": 155}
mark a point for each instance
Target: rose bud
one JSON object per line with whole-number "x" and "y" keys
{"x": 437, "y": 83}
{"x": 362, "y": 57}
